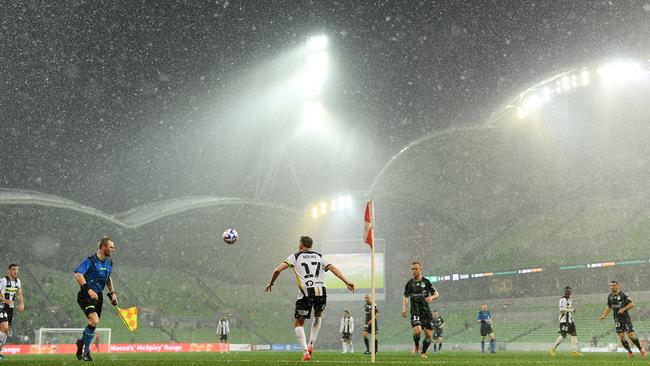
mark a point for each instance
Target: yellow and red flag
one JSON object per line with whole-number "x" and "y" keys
{"x": 369, "y": 226}
{"x": 129, "y": 316}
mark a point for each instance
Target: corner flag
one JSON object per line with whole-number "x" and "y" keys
{"x": 129, "y": 317}
{"x": 369, "y": 238}
{"x": 369, "y": 226}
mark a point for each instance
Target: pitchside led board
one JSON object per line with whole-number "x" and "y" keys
{"x": 352, "y": 257}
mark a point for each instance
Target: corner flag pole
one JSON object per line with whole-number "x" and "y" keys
{"x": 370, "y": 240}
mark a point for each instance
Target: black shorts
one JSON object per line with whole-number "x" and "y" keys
{"x": 306, "y": 303}
{"x": 346, "y": 336}
{"x": 368, "y": 328}
{"x": 486, "y": 329}
{"x": 568, "y": 328}
{"x": 623, "y": 325}
{"x": 88, "y": 305}
{"x": 422, "y": 320}
{"x": 437, "y": 333}
{"x": 223, "y": 337}
{"x": 6, "y": 315}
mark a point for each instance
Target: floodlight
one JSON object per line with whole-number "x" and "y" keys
{"x": 621, "y": 71}
{"x": 315, "y": 43}
{"x": 312, "y": 115}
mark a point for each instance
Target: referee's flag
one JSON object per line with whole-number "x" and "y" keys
{"x": 369, "y": 226}
{"x": 129, "y": 317}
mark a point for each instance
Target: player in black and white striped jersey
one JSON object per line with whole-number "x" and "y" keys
{"x": 567, "y": 324}
{"x": 10, "y": 290}
{"x": 346, "y": 329}
{"x": 309, "y": 268}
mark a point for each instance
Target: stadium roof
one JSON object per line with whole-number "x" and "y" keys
{"x": 136, "y": 216}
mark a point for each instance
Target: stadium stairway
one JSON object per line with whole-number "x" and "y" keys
{"x": 38, "y": 292}
{"x": 246, "y": 323}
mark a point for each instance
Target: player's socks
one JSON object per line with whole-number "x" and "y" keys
{"x": 416, "y": 340}
{"x": 80, "y": 349}
{"x": 345, "y": 347}
{"x": 557, "y": 342}
{"x": 302, "y": 339}
{"x": 89, "y": 333}
{"x": 351, "y": 347}
{"x": 574, "y": 343}
{"x": 367, "y": 342}
{"x": 439, "y": 346}
{"x": 626, "y": 346}
{"x": 3, "y": 340}
{"x": 315, "y": 327}
{"x": 376, "y": 344}
{"x": 425, "y": 344}
{"x": 636, "y": 343}
{"x": 482, "y": 346}
{"x": 493, "y": 344}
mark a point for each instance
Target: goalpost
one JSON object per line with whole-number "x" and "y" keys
{"x": 50, "y": 336}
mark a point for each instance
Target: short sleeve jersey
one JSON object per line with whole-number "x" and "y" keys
{"x": 437, "y": 323}
{"x": 8, "y": 290}
{"x": 484, "y": 316}
{"x": 95, "y": 271}
{"x": 368, "y": 310}
{"x": 309, "y": 268}
{"x": 566, "y": 316}
{"x": 417, "y": 291}
{"x": 618, "y": 301}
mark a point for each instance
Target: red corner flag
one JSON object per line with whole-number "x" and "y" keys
{"x": 369, "y": 227}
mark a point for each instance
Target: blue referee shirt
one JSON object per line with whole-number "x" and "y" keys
{"x": 96, "y": 274}
{"x": 483, "y": 316}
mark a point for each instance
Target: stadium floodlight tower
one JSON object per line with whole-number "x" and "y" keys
{"x": 315, "y": 71}
{"x": 314, "y": 75}
{"x": 614, "y": 73}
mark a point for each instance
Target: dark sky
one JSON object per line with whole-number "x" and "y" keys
{"x": 119, "y": 103}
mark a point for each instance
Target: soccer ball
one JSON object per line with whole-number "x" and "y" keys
{"x": 230, "y": 236}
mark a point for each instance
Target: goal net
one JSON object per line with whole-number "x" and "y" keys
{"x": 53, "y": 337}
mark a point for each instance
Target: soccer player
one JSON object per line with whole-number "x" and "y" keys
{"x": 485, "y": 318}
{"x": 92, "y": 275}
{"x": 421, "y": 293}
{"x": 567, "y": 325}
{"x": 223, "y": 329}
{"x": 621, "y": 303}
{"x": 309, "y": 268}
{"x": 367, "y": 326}
{"x": 10, "y": 289}
{"x": 346, "y": 329}
{"x": 438, "y": 323}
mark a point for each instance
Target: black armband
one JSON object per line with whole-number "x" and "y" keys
{"x": 85, "y": 287}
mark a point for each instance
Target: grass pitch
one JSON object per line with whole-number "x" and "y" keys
{"x": 333, "y": 358}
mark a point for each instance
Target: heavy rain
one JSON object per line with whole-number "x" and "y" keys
{"x": 504, "y": 146}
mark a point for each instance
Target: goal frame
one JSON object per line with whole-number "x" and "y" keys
{"x": 41, "y": 331}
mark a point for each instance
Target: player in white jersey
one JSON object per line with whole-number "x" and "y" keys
{"x": 346, "y": 329}
{"x": 10, "y": 289}
{"x": 309, "y": 268}
{"x": 567, "y": 325}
